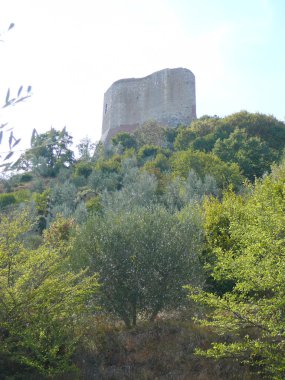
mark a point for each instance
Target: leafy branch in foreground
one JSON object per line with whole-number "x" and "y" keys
{"x": 43, "y": 302}
{"x": 18, "y": 98}
{"x": 247, "y": 236}
{"x": 22, "y": 95}
{"x": 11, "y": 26}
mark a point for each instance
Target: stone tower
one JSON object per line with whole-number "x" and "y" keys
{"x": 166, "y": 96}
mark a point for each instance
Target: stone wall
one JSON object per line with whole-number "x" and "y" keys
{"x": 166, "y": 96}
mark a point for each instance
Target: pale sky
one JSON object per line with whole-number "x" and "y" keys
{"x": 71, "y": 51}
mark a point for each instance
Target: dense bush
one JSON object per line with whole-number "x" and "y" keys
{"x": 245, "y": 235}
{"x": 43, "y": 302}
{"x": 143, "y": 258}
{"x": 6, "y": 200}
{"x": 206, "y": 163}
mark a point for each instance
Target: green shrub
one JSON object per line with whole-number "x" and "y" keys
{"x": 147, "y": 152}
{"x": 26, "y": 178}
{"x": 6, "y": 200}
{"x": 94, "y": 204}
{"x": 83, "y": 168}
{"x": 22, "y": 195}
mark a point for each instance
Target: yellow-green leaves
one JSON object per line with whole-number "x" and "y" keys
{"x": 246, "y": 239}
{"x": 43, "y": 302}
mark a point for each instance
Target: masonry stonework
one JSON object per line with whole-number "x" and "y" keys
{"x": 166, "y": 96}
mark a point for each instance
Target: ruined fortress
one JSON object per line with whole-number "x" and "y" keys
{"x": 166, "y": 96}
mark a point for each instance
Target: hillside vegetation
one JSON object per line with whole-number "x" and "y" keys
{"x": 160, "y": 256}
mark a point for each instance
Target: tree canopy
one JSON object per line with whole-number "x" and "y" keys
{"x": 48, "y": 153}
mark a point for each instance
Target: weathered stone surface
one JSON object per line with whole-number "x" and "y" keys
{"x": 166, "y": 96}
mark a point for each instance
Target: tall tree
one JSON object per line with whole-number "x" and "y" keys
{"x": 86, "y": 149}
{"x": 49, "y": 153}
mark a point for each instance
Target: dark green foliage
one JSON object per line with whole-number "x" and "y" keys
{"x": 253, "y": 155}
{"x": 27, "y": 177}
{"x": 184, "y": 138}
{"x": 205, "y": 143}
{"x": 206, "y": 125}
{"x": 111, "y": 165}
{"x": 160, "y": 162}
{"x": 83, "y": 168}
{"x": 124, "y": 140}
{"x": 202, "y": 134}
{"x": 6, "y": 200}
{"x": 170, "y": 136}
{"x": 206, "y": 163}
{"x": 266, "y": 127}
{"x": 253, "y": 141}
{"x": 49, "y": 153}
{"x": 147, "y": 152}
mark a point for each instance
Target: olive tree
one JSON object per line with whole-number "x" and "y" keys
{"x": 143, "y": 258}
{"x": 139, "y": 189}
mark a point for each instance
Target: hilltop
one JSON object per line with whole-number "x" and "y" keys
{"x": 157, "y": 256}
